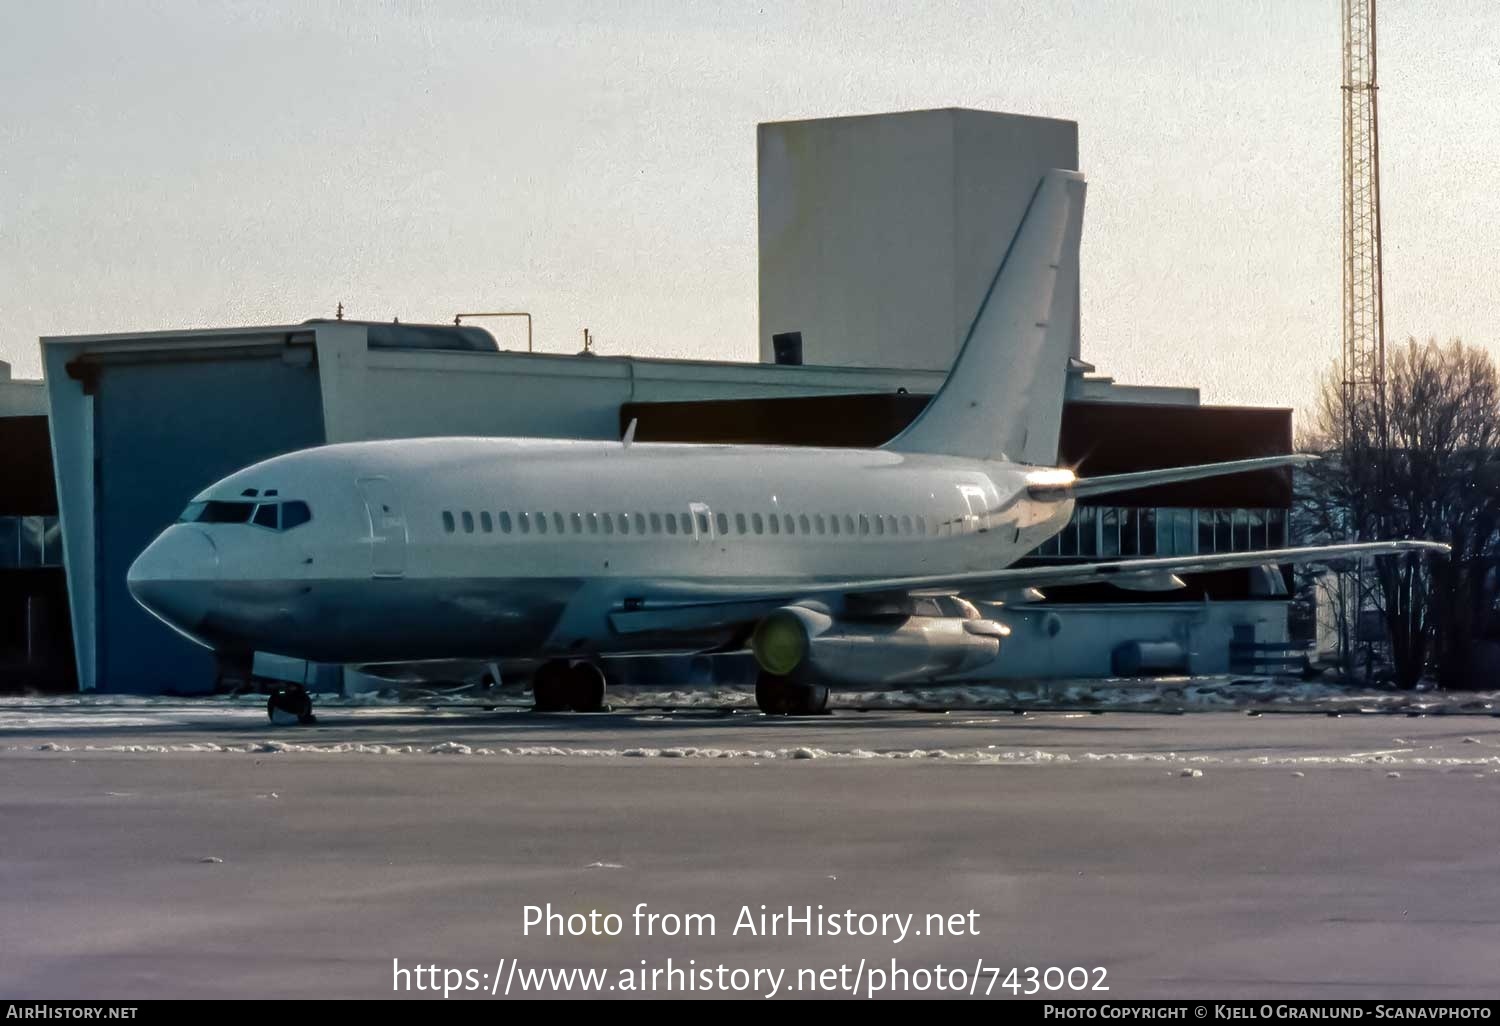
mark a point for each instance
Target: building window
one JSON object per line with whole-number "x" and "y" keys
{"x": 1088, "y": 531}
{"x": 1130, "y": 531}
{"x": 1109, "y": 531}
{"x": 1275, "y": 528}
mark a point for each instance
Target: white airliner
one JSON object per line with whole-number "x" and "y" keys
{"x": 833, "y": 565}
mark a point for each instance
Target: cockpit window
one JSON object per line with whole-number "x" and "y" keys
{"x": 215, "y": 512}
{"x": 265, "y": 514}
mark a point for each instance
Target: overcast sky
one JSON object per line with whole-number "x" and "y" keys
{"x": 179, "y": 164}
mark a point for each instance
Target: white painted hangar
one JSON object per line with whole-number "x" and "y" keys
{"x": 854, "y": 214}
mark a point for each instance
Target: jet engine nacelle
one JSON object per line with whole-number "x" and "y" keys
{"x": 809, "y": 643}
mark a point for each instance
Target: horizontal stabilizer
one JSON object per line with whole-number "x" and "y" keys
{"x": 1053, "y": 484}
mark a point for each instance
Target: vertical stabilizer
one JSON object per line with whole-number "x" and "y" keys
{"x": 1003, "y": 397}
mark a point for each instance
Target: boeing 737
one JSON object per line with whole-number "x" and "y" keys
{"x": 834, "y": 566}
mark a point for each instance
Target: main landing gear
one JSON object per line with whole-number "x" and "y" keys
{"x": 777, "y": 696}
{"x": 560, "y": 686}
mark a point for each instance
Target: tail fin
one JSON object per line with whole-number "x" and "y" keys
{"x": 1004, "y": 395}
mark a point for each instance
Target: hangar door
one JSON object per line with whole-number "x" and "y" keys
{"x": 164, "y": 429}
{"x": 387, "y": 527}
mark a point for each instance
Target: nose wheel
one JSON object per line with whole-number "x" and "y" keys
{"x": 289, "y": 705}
{"x": 560, "y": 686}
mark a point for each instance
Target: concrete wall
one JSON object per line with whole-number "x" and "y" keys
{"x": 20, "y": 397}
{"x": 880, "y": 235}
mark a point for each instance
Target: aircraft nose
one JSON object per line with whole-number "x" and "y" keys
{"x": 174, "y": 577}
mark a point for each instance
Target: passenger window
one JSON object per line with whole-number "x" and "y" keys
{"x": 758, "y": 523}
{"x": 921, "y": 524}
{"x": 671, "y": 524}
{"x": 864, "y": 524}
{"x": 486, "y": 523}
{"x": 609, "y": 524}
{"x": 577, "y": 521}
{"x": 833, "y": 524}
{"x": 272, "y": 491}
{"x": 593, "y": 519}
{"x": 739, "y": 523}
{"x": 848, "y": 523}
{"x": 656, "y": 523}
{"x": 818, "y": 522}
{"x": 294, "y": 514}
{"x": 775, "y": 524}
{"x": 624, "y": 523}
{"x": 265, "y": 515}
{"x": 523, "y": 521}
{"x": 468, "y": 522}
{"x": 905, "y": 524}
{"x": 702, "y": 524}
{"x": 723, "y": 519}
{"x": 879, "y": 524}
{"x": 541, "y": 523}
{"x": 447, "y": 521}
{"x": 557, "y": 522}
{"x": 805, "y": 524}
{"x": 505, "y": 522}
{"x": 640, "y": 523}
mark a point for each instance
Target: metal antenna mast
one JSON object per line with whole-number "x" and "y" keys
{"x": 1366, "y": 441}
{"x": 1364, "y": 301}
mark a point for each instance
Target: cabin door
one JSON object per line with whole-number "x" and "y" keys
{"x": 387, "y": 527}
{"x": 976, "y": 509}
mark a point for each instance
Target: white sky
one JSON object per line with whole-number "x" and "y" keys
{"x": 178, "y": 164}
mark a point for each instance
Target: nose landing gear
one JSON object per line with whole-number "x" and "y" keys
{"x": 560, "y": 686}
{"x": 290, "y": 704}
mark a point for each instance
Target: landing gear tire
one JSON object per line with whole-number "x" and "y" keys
{"x": 777, "y": 696}
{"x": 290, "y": 704}
{"x": 560, "y": 686}
{"x": 550, "y": 687}
{"x": 586, "y": 687}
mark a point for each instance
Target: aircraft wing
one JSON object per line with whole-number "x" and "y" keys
{"x": 749, "y": 602}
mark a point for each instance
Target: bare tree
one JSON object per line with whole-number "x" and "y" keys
{"x": 1439, "y": 479}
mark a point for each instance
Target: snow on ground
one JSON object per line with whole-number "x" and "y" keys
{"x": 426, "y": 722}
{"x": 1169, "y": 694}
